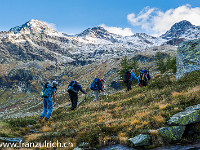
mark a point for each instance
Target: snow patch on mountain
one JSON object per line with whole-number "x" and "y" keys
{"x": 33, "y": 26}
{"x": 37, "y": 40}
{"x": 183, "y": 29}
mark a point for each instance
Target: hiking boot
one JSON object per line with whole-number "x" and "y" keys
{"x": 46, "y": 120}
{"x": 41, "y": 119}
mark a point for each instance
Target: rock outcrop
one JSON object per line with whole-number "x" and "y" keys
{"x": 140, "y": 140}
{"x": 190, "y": 115}
{"x": 173, "y": 133}
{"x": 188, "y": 57}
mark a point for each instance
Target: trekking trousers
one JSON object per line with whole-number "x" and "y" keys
{"x": 74, "y": 99}
{"x": 128, "y": 85}
{"x": 96, "y": 95}
{"x": 47, "y": 107}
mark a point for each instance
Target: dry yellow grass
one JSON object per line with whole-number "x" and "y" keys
{"x": 122, "y": 140}
{"x": 193, "y": 91}
{"x": 101, "y": 118}
{"x": 145, "y": 123}
{"x": 46, "y": 129}
{"x": 176, "y": 94}
{"x": 135, "y": 121}
{"x": 32, "y": 137}
{"x": 142, "y": 114}
{"x": 138, "y": 126}
{"x": 163, "y": 106}
{"x": 124, "y": 124}
{"x": 158, "y": 118}
{"x": 118, "y": 108}
{"x": 139, "y": 95}
{"x": 153, "y": 132}
{"x": 158, "y": 76}
{"x": 122, "y": 134}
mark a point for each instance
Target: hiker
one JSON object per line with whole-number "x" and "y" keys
{"x": 73, "y": 89}
{"x": 48, "y": 91}
{"x": 128, "y": 78}
{"x": 97, "y": 86}
{"x": 144, "y": 78}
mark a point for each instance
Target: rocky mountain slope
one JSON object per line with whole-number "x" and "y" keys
{"x": 34, "y": 52}
{"x": 183, "y": 29}
{"x": 36, "y": 40}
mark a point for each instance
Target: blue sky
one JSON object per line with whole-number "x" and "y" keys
{"x": 119, "y": 16}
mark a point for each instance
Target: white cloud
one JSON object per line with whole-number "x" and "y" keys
{"x": 51, "y": 25}
{"x": 118, "y": 30}
{"x": 158, "y": 22}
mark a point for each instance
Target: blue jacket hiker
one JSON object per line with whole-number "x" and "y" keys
{"x": 73, "y": 89}
{"x": 133, "y": 76}
{"x": 97, "y": 86}
{"x": 47, "y": 92}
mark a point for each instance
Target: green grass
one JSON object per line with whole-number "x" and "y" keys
{"x": 122, "y": 115}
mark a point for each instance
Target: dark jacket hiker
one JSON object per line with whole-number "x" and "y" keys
{"x": 73, "y": 89}
{"x": 128, "y": 78}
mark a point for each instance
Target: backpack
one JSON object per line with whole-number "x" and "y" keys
{"x": 127, "y": 76}
{"x": 47, "y": 91}
{"x": 94, "y": 85}
{"x": 143, "y": 78}
{"x": 72, "y": 87}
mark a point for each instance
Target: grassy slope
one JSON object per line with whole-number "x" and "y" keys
{"x": 117, "y": 116}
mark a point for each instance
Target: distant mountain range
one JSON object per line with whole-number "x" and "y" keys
{"x": 35, "y": 40}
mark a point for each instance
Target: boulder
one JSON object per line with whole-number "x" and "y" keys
{"x": 188, "y": 57}
{"x": 190, "y": 115}
{"x": 173, "y": 133}
{"x": 140, "y": 140}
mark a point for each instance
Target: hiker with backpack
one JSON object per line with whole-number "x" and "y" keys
{"x": 97, "y": 86}
{"x": 47, "y": 92}
{"x": 144, "y": 78}
{"x": 128, "y": 78}
{"x": 73, "y": 89}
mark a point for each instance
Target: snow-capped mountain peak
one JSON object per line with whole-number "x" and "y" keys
{"x": 182, "y": 29}
{"x": 95, "y": 32}
{"x": 184, "y": 25}
{"x": 33, "y": 26}
{"x": 93, "y": 43}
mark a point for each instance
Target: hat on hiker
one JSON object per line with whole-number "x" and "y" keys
{"x": 54, "y": 82}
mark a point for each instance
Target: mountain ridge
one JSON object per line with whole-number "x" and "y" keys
{"x": 36, "y": 40}
{"x": 32, "y": 26}
{"x": 182, "y": 29}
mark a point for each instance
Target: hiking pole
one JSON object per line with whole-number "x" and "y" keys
{"x": 106, "y": 95}
{"x": 84, "y": 100}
